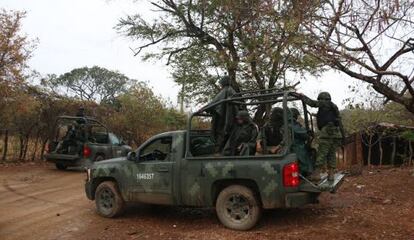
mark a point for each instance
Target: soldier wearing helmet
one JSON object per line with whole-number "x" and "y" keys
{"x": 270, "y": 137}
{"x": 330, "y": 134}
{"x": 300, "y": 141}
{"x": 222, "y": 114}
{"x": 242, "y": 137}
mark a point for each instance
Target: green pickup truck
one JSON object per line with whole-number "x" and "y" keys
{"x": 80, "y": 141}
{"x": 180, "y": 168}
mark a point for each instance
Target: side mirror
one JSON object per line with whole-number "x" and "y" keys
{"x": 132, "y": 156}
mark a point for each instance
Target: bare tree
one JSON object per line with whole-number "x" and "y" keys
{"x": 370, "y": 40}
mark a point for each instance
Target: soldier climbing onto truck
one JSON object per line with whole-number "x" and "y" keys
{"x": 331, "y": 133}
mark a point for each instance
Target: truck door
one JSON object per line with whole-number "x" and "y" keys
{"x": 154, "y": 176}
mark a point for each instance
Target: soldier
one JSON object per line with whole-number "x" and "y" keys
{"x": 243, "y": 136}
{"x": 81, "y": 115}
{"x": 301, "y": 137}
{"x": 223, "y": 114}
{"x": 271, "y": 136}
{"x": 330, "y": 135}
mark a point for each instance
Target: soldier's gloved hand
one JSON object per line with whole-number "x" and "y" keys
{"x": 239, "y": 147}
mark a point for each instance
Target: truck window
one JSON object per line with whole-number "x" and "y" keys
{"x": 157, "y": 150}
{"x": 113, "y": 139}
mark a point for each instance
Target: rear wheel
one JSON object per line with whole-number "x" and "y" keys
{"x": 99, "y": 158}
{"x": 108, "y": 200}
{"x": 61, "y": 166}
{"x": 238, "y": 208}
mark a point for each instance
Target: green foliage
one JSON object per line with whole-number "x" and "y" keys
{"x": 90, "y": 84}
{"x": 408, "y": 135}
{"x": 254, "y": 42}
{"x": 15, "y": 47}
{"x": 142, "y": 114}
{"x": 357, "y": 118}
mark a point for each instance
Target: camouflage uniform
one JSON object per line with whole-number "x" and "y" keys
{"x": 242, "y": 137}
{"x": 223, "y": 114}
{"x": 299, "y": 145}
{"x": 330, "y": 133}
{"x": 270, "y": 135}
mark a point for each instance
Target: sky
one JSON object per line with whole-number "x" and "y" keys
{"x": 78, "y": 33}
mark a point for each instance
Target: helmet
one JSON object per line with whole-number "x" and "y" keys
{"x": 324, "y": 96}
{"x": 277, "y": 111}
{"x": 225, "y": 81}
{"x": 243, "y": 114}
{"x": 277, "y": 114}
{"x": 295, "y": 113}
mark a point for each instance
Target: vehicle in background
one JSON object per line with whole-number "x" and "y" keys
{"x": 80, "y": 141}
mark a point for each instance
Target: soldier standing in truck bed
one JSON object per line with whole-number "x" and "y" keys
{"x": 223, "y": 114}
{"x": 331, "y": 133}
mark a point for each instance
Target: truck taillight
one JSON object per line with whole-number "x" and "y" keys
{"x": 291, "y": 175}
{"x": 86, "y": 151}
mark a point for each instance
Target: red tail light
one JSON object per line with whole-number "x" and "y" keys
{"x": 86, "y": 151}
{"x": 291, "y": 175}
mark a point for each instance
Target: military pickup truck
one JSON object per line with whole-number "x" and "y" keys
{"x": 80, "y": 141}
{"x": 180, "y": 168}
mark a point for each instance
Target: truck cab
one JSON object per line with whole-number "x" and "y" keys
{"x": 181, "y": 168}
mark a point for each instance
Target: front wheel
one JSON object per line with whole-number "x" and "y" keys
{"x": 238, "y": 208}
{"x": 108, "y": 200}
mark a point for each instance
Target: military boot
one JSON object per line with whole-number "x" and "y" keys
{"x": 331, "y": 174}
{"x": 315, "y": 176}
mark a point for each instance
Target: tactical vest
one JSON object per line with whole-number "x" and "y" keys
{"x": 273, "y": 135}
{"x": 326, "y": 114}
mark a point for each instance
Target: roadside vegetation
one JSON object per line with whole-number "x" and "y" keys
{"x": 258, "y": 44}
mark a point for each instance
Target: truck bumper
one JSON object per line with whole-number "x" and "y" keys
{"x": 299, "y": 199}
{"x": 89, "y": 190}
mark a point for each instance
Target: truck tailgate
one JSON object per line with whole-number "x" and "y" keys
{"x": 324, "y": 185}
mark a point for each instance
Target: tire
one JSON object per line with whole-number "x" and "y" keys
{"x": 108, "y": 200}
{"x": 61, "y": 166}
{"x": 237, "y": 208}
{"x": 99, "y": 158}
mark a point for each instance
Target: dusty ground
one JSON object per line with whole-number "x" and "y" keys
{"x": 39, "y": 202}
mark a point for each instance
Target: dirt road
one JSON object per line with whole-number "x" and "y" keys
{"x": 39, "y": 202}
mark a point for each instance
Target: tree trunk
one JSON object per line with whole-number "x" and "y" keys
{"x": 410, "y": 148}
{"x": 6, "y": 144}
{"x": 394, "y": 148}
{"x": 381, "y": 151}
{"x": 35, "y": 147}
{"x": 26, "y": 147}
{"x": 21, "y": 140}
{"x": 369, "y": 150}
{"x": 43, "y": 149}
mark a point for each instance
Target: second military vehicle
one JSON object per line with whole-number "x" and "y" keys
{"x": 181, "y": 168}
{"x": 80, "y": 141}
